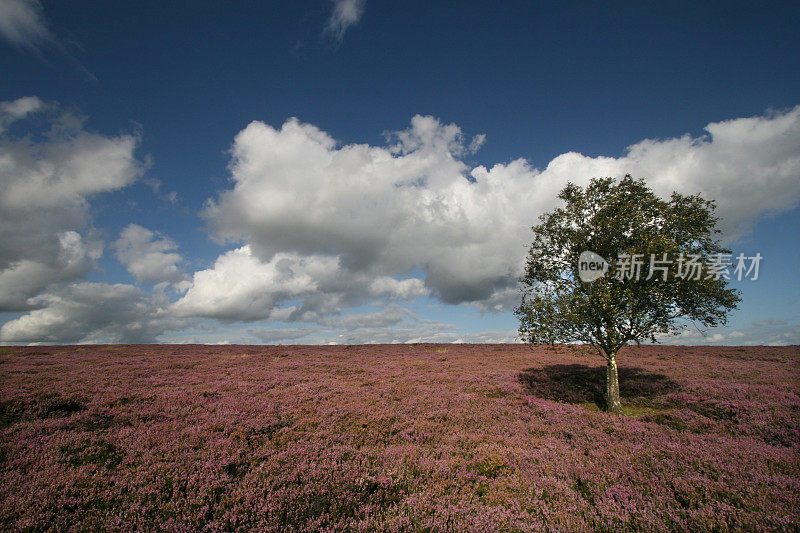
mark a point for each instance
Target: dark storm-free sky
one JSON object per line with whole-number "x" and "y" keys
{"x": 310, "y": 172}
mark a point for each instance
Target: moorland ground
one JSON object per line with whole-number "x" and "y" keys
{"x": 397, "y": 437}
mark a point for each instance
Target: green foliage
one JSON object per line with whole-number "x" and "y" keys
{"x": 613, "y": 218}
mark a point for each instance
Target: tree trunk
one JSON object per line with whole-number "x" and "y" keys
{"x": 613, "y": 405}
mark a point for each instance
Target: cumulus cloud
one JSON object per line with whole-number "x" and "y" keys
{"x": 750, "y": 166}
{"x": 148, "y": 257}
{"x": 324, "y": 227}
{"x": 26, "y": 278}
{"x": 47, "y": 177}
{"x": 242, "y": 287}
{"x": 92, "y": 313}
{"x": 405, "y": 289}
{"x": 22, "y": 24}
{"x": 382, "y": 211}
{"x": 345, "y": 13}
{"x": 288, "y": 287}
{"x": 413, "y": 205}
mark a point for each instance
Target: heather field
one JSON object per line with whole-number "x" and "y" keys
{"x": 400, "y": 437}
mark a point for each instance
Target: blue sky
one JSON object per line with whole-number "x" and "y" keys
{"x": 363, "y": 171}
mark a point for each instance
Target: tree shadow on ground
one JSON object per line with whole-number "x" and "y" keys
{"x": 581, "y": 384}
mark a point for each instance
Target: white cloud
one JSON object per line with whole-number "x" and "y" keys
{"x": 345, "y": 13}
{"x": 406, "y": 289}
{"x": 287, "y": 287}
{"x": 414, "y": 205}
{"x": 383, "y": 211}
{"x": 476, "y": 143}
{"x": 93, "y": 313}
{"x": 241, "y": 287}
{"x": 22, "y": 24}
{"x": 21, "y": 106}
{"x": 26, "y": 278}
{"x": 47, "y": 176}
{"x": 12, "y": 111}
{"x": 67, "y": 168}
{"x": 750, "y": 166}
{"x": 147, "y": 257}
{"x": 327, "y": 227}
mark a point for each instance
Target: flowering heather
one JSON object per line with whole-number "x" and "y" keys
{"x": 401, "y": 437}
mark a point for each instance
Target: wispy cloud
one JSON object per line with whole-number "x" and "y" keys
{"x": 18, "y": 109}
{"x": 22, "y": 24}
{"x": 346, "y": 13}
{"x": 777, "y": 333}
{"x": 770, "y": 323}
